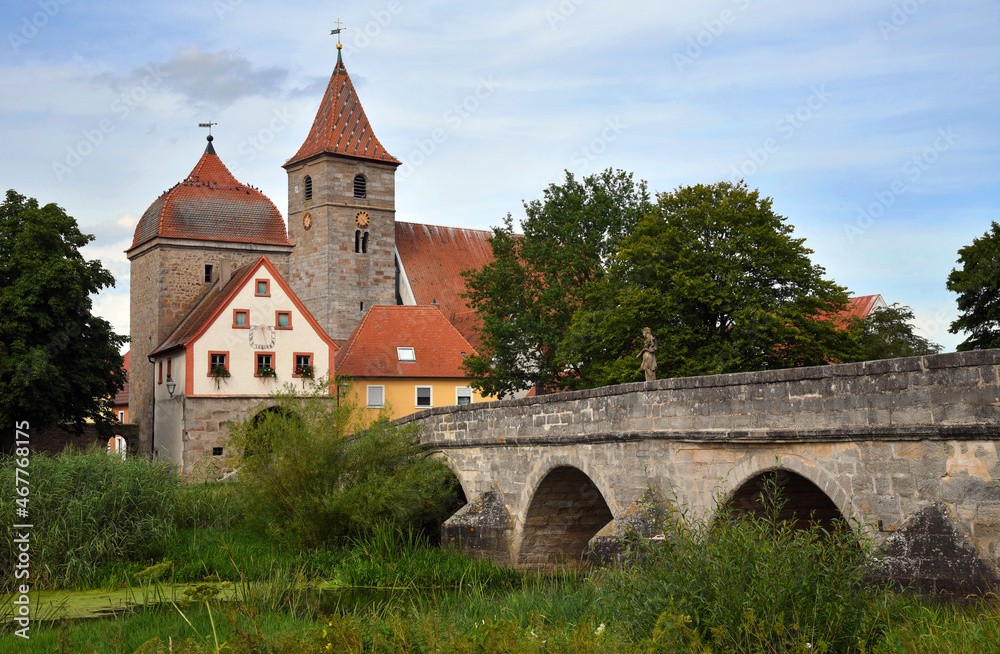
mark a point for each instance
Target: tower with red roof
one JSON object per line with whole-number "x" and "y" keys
{"x": 192, "y": 236}
{"x": 341, "y": 212}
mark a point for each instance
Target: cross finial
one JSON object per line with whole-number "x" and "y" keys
{"x": 340, "y": 27}
{"x": 209, "y": 126}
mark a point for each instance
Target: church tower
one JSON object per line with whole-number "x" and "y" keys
{"x": 341, "y": 212}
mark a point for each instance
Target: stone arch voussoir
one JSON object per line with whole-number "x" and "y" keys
{"x": 823, "y": 480}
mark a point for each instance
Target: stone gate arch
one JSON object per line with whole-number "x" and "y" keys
{"x": 562, "y": 508}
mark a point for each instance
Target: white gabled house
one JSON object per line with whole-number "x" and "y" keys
{"x": 245, "y": 338}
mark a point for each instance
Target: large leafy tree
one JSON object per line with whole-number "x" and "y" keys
{"x": 722, "y": 283}
{"x": 528, "y": 295}
{"x": 888, "y": 333}
{"x": 58, "y": 362}
{"x": 977, "y": 284}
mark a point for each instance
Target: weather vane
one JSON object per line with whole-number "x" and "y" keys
{"x": 208, "y": 125}
{"x": 337, "y": 31}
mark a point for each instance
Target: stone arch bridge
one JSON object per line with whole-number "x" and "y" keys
{"x": 904, "y": 448}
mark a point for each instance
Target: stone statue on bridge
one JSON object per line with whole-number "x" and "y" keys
{"x": 648, "y": 354}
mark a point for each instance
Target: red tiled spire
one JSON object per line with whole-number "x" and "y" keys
{"x": 210, "y": 205}
{"x": 341, "y": 126}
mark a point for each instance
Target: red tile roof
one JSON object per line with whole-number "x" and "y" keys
{"x": 341, "y": 126}
{"x": 857, "y": 308}
{"x": 210, "y": 205}
{"x": 122, "y": 396}
{"x": 370, "y": 351}
{"x": 862, "y": 306}
{"x": 433, "y": 258}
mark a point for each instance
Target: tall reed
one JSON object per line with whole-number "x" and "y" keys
{"x": 89, "y": 510}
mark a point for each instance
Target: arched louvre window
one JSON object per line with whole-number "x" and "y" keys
{"x": 360, "y": 186}
{"x": 309, "y": 187}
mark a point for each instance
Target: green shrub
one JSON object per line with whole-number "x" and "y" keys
{"x": 312, "y": 475}
{"x": 750, "y": 584}
{"x": 89, "y": 511}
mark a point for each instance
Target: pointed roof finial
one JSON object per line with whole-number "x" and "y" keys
{"x": 340, "y": 46}
{"x": 209, "y": 138}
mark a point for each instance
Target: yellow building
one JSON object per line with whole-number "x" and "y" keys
{"x": 406, "y": 359}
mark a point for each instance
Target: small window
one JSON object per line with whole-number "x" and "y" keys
{"x": 406, "y": 354}
{"x": 241, "y": 319}
{"x": 263, "y": 287}
{"x": 376, "y": 397}
{"x": 424, "y": 396}
{"x": 309, "y": 187}
{"x": 219, "y": 362}
{"x": 463, "y": 395}
{"x": 283, "y": 320}
{"x": 169, "y": 366}
{"x": 360, "y": 186}
{"x": 121, "y": 417}
{"x": 216, "y": 451}
{"x": 303, "y": 365}
{"x": 160, "y": 376}
{"x": 208, "y": 273}
{"x": 362, "y": 307}
{"x": 364, "y": 243}
{"x": 265, "y": 360}
{"x": 357, "y": 240}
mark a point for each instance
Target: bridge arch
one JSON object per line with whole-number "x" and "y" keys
{"x": 467, "y": 489}
{"x": 562, "y": 507}
{"x": 811, "y": 487}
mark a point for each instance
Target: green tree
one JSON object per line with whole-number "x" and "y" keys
{"x": 724, "y": 286}
{"x": 58, "y": 362}
{"x": 888, "y": 334}
{"x": 977, "y": 284}
{"x": 527, "y": 296}
{"x": 314, "y": 473}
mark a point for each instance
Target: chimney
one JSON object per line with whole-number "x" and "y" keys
{"x": 225, "y": 273}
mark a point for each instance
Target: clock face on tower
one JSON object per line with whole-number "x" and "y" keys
{"x": 362, "y": 219}
{"x": 307, "y": 221}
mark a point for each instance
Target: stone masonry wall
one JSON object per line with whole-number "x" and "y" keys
{"x": 205, "y": 428}
{"x": 327, "y": 274}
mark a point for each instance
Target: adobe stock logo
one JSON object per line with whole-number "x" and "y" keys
{"x": 786, "y": 126}
{"x": 38, "y": 20}
{"x": 914, "y": 169}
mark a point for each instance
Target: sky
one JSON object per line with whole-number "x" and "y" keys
{"x": 873, "y": 125}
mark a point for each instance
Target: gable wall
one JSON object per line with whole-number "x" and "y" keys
{"x": 222, "y": 336}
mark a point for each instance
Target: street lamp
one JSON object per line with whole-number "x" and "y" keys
{"x": 171, "y": 385}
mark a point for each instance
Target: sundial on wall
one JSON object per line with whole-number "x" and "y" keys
{"x": 262, "y": 337}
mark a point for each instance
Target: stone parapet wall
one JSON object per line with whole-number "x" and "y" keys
{"x": 952, "y": 396}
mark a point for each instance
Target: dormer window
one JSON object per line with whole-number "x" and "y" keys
{"x": 308, "y": 181}
{"x": 406, "y": 354}
{"x": 360, "y": 186}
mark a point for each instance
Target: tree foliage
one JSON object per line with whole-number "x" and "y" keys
{"x": 314, "y": 474}
{"x": 977, "y": 284}
{"x": 58, "y": 362}
{"x": 888, "y": 333}
{"x": 722, "y": 283}
{"x": 528, "y": 295}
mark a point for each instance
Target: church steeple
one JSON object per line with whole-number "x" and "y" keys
{"x": 341, "y": 126}
{"x": 341, "y": 212}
